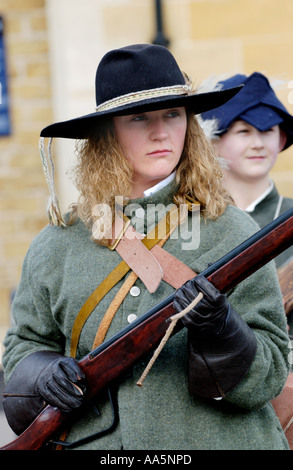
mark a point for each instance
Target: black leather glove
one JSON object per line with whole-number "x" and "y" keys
{"x": 43, "y": 377}
{"x": 208, "y": 317}
{"x": 221, "y": 345}
{"x": 61, "y": 383}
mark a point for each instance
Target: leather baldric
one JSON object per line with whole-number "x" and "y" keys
{"x": 147, "y": 260}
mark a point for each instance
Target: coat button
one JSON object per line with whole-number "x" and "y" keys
{"x": 134, "y": 291}
{"x": 131, "y": 317}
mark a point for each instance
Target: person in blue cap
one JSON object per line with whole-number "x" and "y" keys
{"x": 248, "y": 133}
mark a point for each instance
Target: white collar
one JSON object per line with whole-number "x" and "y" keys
{"x": 253, "y": 205}
{"x": 160, "y": 185}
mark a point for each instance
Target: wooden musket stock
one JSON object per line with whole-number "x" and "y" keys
{"x": 115, "y": 356}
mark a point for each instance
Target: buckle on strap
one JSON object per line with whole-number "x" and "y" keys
{"x": 121, "y": 225}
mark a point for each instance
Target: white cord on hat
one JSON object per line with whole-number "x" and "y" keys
{"x": 135, "y": 97}
{"x": 53, "y": 208}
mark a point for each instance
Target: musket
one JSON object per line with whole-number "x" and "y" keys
{"x": 112, "y": 358}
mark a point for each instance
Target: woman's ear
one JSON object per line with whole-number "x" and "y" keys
{"x": 283, "y": 139}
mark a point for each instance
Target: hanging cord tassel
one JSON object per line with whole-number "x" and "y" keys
{"x": 53, "y": 208}
{"x": 174, "y": 319}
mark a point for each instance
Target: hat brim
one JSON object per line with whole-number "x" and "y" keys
{"x": 264, "y": 118}
{"x": 261, "y": 117}
{"x": 81, "y": 127}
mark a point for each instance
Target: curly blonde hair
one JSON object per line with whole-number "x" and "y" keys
{"x": 199, "y": 174}
{"x": 102, "y": 172}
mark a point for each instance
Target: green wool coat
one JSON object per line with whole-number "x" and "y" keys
{"x": 63, "y": 267}
{"x": 264, "y": 213}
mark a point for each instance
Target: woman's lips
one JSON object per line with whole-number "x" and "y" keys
{"x": 160, "y": 152}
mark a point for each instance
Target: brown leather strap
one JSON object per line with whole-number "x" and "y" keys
{"x": 111, "y": 311}
{"x": 106, "y": 285}
{"x": 169, "y": 222}
{"x": 118, "y": 299}
{"x": 151, "y": 265}
{"x": 140, "y": 259}
{"x": 175, "y": 272}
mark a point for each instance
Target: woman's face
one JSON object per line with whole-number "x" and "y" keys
{"x": 153, "y": 143}
{"x": 248, "y": 153}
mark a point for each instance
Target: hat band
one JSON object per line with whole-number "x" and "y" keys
{"x": 143, "y": 95}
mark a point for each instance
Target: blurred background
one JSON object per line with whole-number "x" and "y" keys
{"x": 49, "y": 52}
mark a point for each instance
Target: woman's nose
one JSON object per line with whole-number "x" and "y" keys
{"x": 158, "y": 129}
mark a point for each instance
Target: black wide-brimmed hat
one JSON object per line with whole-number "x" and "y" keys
{"x": 141, "y": 77}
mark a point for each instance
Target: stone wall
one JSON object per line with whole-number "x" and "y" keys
{"x": 22, "y": 187}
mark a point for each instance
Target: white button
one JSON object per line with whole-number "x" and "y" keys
{"x": 131, "y": 317}
{"x": 139, "y": 213}
{"x": 134, "y": 291}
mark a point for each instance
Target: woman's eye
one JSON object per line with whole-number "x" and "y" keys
{"x": 138, "y": 118}
{"x": 173, "y": 114}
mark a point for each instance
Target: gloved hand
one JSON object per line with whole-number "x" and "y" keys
{"x": 221, "y": 345}
{"x": 61, "y": 383}
{"x": 208, "y": 317}
{"x": 43, "y": 377}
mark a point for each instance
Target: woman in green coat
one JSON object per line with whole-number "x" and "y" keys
{"x": 143, "y": 156}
